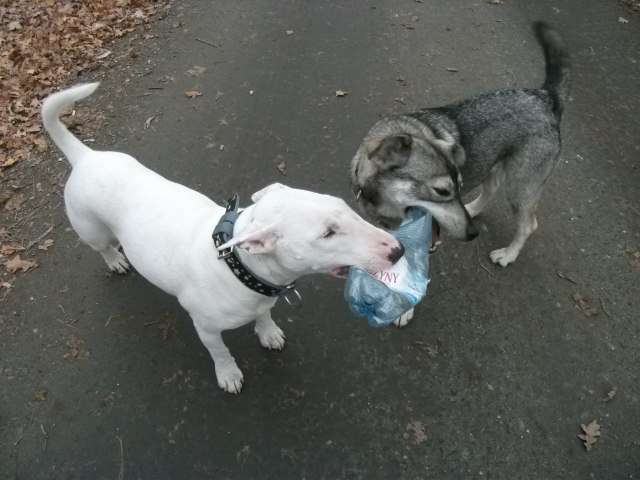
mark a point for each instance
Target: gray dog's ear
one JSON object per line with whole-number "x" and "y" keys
{"x": 451, "y": 148}
{"x": 393, "y": 151}
{"x": 458, "y": 154}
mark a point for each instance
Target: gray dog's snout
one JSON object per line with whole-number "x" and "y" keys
{"x": 396, "y": 253}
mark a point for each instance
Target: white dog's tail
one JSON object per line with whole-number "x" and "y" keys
{"x": 72, "y": 147}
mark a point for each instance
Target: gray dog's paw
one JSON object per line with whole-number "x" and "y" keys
{"x": 403, "y": 319}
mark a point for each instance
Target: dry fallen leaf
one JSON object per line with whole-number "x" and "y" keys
{"x": 75, "y": 345}
{"x": 10, "y": 250}
{"x": 496, "y": 2}
{"x": 17, "y": 263}
{"x": 192, "y": 94}
{"x": 147, "y": 123}
{"x": 430, "y": 350}
{"x": 41, "y": 144}
{"x": 416, "y": 432}
{"x": 103, "y": 55}
{"x": 169, "y": 380}
{"x": 610, "y": 395}
{"x": 591, "y": 434}
{"x": 15, "y": 202}
{"x": 5, "y": 196}
{"x": 622, "y": 20}
{"x": 40, "y": 395}
{"x": 166, "y": 326}
{"x": 340, "y": 93}
{"x": 10, "y": 161}
{"x": 282, "y": 167}
{"x": 196, "y": 71}
{"x": 583, "y": 306}
{"x": 46, "y": 245}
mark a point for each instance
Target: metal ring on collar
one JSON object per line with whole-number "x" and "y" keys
{"x": 296, "y": 302}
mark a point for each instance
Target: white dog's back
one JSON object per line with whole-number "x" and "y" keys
{"x": 148, "y": 205}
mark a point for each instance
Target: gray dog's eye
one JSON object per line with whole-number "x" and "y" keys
{"x": 443, "y": 192}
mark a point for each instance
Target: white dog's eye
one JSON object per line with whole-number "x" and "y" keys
{"x": 329, "y": 233}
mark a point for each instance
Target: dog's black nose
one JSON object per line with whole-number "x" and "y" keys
{"x": 396, "y": 253}
{"x": 472, "y": 231}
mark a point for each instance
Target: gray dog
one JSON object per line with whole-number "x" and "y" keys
{"x": 422, "y": 158}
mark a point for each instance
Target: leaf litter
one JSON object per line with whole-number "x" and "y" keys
{"x": 415, "y": 432}
{"x": 582, "y": 305}
{"x": 17, "y": 263}
{"x": 590, "y": 435}
{"x": 45, "y": 45}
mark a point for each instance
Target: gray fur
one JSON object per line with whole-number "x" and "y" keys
{"x": 422, "y": 158}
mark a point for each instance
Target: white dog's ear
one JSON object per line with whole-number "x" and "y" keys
{"x": 261, "y": 193}
{"x": 253, "y": 239}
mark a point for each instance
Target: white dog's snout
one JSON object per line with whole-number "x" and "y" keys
{"x": 389, "y": 249}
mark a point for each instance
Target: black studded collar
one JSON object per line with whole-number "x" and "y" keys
{"x": 222, "y": 233}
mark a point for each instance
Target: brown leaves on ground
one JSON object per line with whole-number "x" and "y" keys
{"x": 74, "y": 344}
{"x": 45, "y": 44}
{"x": 590, "y": 435}
{"x": 415, "y": 432}
{"x": 10, "y": 249}
{"x": 611, "y": 395}
{"x": 16, "y": 264}
{"x": 46, "y": 245}
{"x": 166, "y": 326}
{"x": 40, "y": 395}
{"x": 582, "y": 305}
{"x": 429, "y": 349}
{"x": 15, "y": 202}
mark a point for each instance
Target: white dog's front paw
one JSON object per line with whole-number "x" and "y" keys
{"x": 230, "y": 378}
{"x": 270, "y": 335}
{"x": 403, "y": 319}
{"x": 503, "y": 256}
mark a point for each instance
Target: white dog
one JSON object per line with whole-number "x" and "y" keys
{"x": 165, "y": 230}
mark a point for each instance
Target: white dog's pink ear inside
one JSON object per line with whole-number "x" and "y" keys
{"x": 261, "y": 193}
{"x": 253, "y": 240}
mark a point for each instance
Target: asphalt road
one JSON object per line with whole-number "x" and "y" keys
{"x": 104, "y": 377}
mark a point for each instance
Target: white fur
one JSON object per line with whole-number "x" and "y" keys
{"x": 165, "y": 231}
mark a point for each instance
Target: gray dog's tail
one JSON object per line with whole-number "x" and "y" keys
{"x": 558, "y": 69}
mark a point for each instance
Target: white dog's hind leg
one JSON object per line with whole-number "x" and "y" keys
{"x": 228, "y": 374}
{"x": 114, "y": 259}
{"x": 100, "y": 239}
{"x": 270, "y": 335}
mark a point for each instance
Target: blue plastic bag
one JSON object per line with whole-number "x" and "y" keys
{"x": 385, "y": 296}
